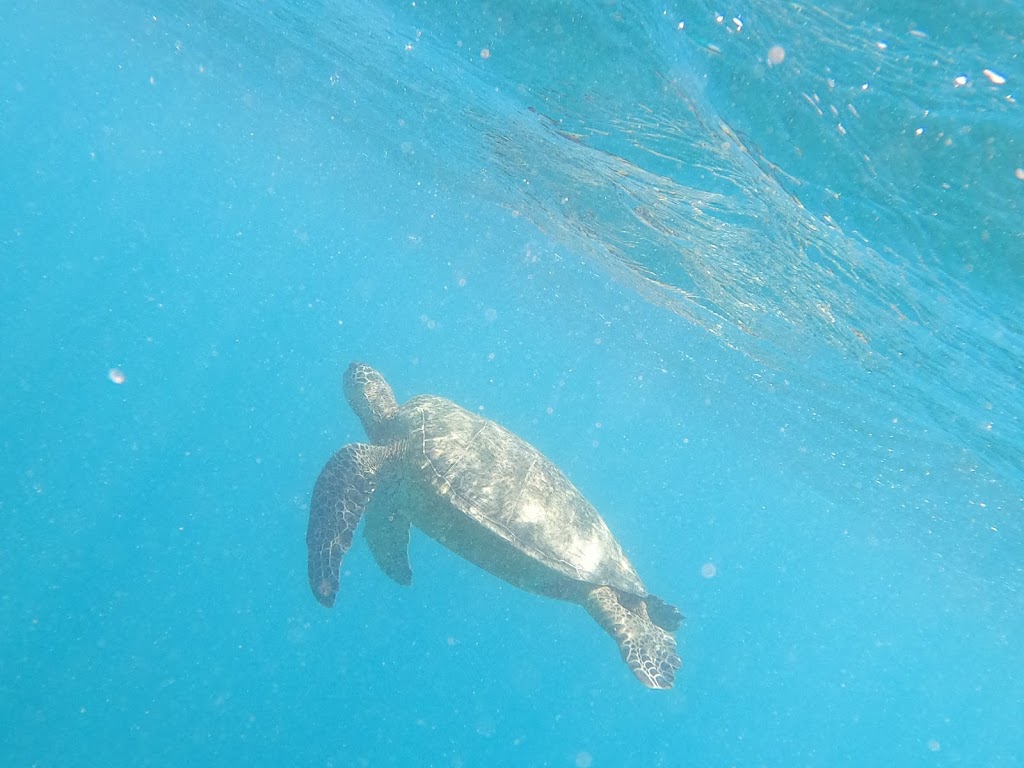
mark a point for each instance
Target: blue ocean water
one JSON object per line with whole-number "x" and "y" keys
{"x": 763, "y": 309}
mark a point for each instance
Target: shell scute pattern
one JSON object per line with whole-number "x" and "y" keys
{"x": 502, "y": 482}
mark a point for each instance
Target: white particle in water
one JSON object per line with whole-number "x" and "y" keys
{"x": 995, "y": 77}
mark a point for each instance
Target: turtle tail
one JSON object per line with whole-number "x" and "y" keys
{"x": 664, "y": 615}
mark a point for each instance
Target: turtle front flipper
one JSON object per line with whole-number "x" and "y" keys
{"x": 340, "y": 495}
{"x": 387, "y": 533}
{"x": 646, "y": 648}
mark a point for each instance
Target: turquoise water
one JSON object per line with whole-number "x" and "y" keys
{"x": 765, "y": 315}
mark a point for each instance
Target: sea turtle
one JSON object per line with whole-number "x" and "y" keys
{"x": 490, "y": 497}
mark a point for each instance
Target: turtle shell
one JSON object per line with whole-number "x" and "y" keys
{"x": 506, "y": 485}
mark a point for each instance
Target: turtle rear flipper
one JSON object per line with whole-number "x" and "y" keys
{"x": 664, "y": 615}
{"x": 387, "y": 533}
{"x": 340, "y": 495}
{"x": 646, "y": 648}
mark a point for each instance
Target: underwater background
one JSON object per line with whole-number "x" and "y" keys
{"x": 751, "y": 274}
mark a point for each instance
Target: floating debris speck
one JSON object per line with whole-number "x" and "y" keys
{"x": 995, "y": 77}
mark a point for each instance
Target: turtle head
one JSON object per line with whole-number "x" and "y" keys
{"x": 370, "y": 396}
